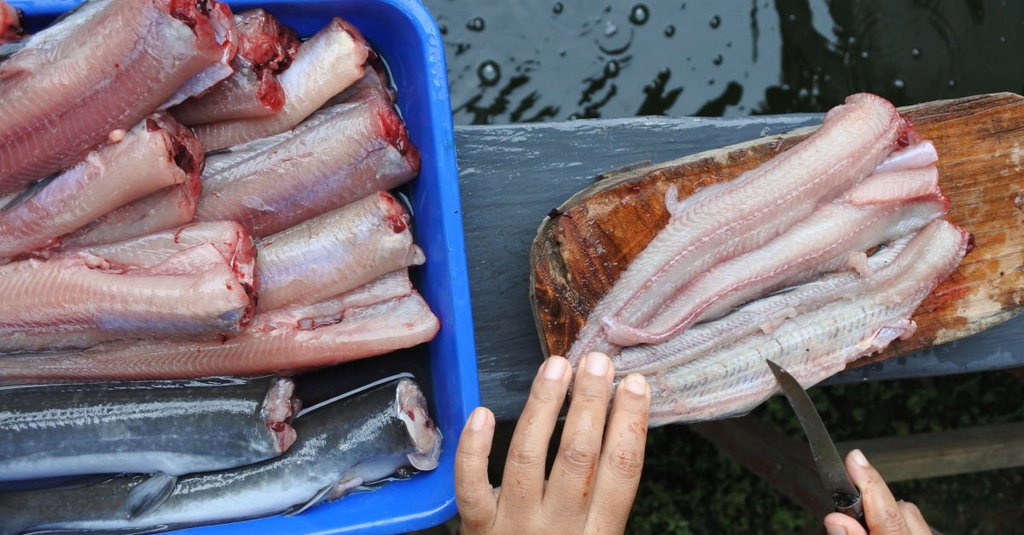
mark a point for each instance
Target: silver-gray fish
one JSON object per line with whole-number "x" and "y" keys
{"x": 342, "y": 444}
{"x": 171, "y": 427}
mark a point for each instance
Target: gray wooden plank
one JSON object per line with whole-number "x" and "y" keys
{"x": 511, "y": 176}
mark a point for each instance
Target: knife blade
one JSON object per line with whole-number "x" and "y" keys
{"x": 831, "y": 469}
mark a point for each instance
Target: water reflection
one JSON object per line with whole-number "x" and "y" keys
{"x": 537, "y": 60}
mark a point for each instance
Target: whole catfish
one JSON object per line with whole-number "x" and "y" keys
{"x": 342, "y": 444}
{"x": 136, "y": 426}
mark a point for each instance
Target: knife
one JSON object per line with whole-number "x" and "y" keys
{"x": 831, "y": 469}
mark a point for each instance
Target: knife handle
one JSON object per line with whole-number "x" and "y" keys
{"x": 849, "y": 505}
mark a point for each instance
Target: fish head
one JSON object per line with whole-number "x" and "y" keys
{"x": 426, "y": 437}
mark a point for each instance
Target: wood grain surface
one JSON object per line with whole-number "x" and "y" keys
{"x": 584, "y": 244}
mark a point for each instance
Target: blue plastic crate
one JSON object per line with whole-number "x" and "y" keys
{"x": 404, "y": 33}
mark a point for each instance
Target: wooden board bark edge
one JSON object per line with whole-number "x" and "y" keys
{"x": 583, "y": 245}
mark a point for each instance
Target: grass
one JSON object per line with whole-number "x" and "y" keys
{"x": 689, "y": 487}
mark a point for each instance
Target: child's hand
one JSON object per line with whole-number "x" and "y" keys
{"x": 594, "y": 478}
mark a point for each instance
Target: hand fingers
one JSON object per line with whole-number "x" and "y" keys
{"x": 473, "y": 492}
{"x": 840, "y": 524}
{"x": 915, "y": 520}
{"x": 883, "y": 515}
{"x": 522, "y": 484}
{"x": 622, "y": 457}
{"x": 572, "y": 475}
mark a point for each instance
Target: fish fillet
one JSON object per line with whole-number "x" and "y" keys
{"x": 814, "y": 344}
{"x": 725, "y": 220}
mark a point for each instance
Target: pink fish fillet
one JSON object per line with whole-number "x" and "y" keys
{"x": 727, "y": 219}
{"x": 127, "y": 58}
{"x": 265, "y": 49}
{"x": 169, "y": 208}
{"x": 196, "y": 282}
{"x": 335, "y": 252}
{"x": 324, "y": 66}
{"x": 155, "y": 154}
{"x": 813, "y": 344}
{"x": 833, "y": 237}
{"x": 362, "y": 332}
{"x": 342, "y": 153}
{"x": 760, "y": 316}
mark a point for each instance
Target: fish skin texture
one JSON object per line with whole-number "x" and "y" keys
{"x": 335, "y": 252}
{"x": 362, "y": 332}
{"x": 324, "y": 66}
{"x": 157, "y": 153}
{"x": 44, "y": 127}
{"x": 271, "y": 184}
{"x": 61, "y": 430}
{"x": 138, "y": 288}
{"x": 363, "y": 437}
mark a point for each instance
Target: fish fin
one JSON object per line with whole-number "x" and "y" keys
{"x": 346, "y": 485}
{"x": 321, "y": 495}
{"x": 116, "y": 531}
{"x": 149, "y": 494}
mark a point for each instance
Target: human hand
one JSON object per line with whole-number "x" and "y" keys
{"x": 882, "y": 513}
{"x": 595, "y": 475}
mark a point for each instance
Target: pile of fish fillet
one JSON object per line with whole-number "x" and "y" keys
{"x": 812, "y": 260}
{"x": 194, "y": 205}
{"x": 187, "y": 192}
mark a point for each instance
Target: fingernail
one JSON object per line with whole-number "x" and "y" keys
{"x": 635, "y": 383}
{"x": 859, "y": 458}
{"x": 597, "y": 364}
{"x": 554, "y": 368}
{"x": 477, "y": 419}
{"x": 835, "y": 530}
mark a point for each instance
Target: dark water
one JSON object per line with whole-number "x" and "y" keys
{"x": 543, "y": 60}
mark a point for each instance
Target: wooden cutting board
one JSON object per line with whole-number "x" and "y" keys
{"x": 584, "y": 244}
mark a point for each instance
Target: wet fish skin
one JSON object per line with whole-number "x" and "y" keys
{"x": 324, "y": 66}
{"x": 157, "y": 153}
{"x": 125, "y": 57}
{"x": 96, "y": 428}
{"x": 274, "y": 183}
{"x": 169, "y": 208}
{"x": 335, "y": 252}
{"x": 138, "y": 288}
{"x": 341, "y": 444}
{"x": 362, "y": 332}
